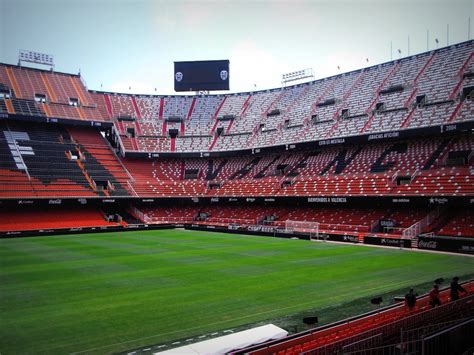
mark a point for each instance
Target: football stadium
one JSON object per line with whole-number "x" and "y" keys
{"x": 330, "y": 213}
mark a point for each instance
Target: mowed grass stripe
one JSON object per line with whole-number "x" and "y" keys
{"x": 72, "y": 293}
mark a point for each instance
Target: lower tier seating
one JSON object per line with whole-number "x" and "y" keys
{"x": 459, "y": 225}
{"x": 359, "y": 221}
{"x": 385, "y": 323}
{"x": 35, "y": 218}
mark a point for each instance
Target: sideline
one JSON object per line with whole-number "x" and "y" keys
{"x": 395, "y": 248}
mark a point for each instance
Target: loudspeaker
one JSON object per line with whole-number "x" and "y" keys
{"x": 376, "y": 300}
{"x": 310, "y": 320}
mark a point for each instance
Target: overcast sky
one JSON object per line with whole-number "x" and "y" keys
{"x": 118, "y": 44}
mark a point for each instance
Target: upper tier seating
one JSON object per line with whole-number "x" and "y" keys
{"x": 375, "y": 99}
{"x": 300, "y": 113}
{"x": 58, "y": 95}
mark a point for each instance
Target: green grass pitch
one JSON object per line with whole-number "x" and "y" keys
{"x": 102, "y": 293}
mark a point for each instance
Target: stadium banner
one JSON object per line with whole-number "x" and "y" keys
{"x": 451, "y": 244}
{"x": 251, "y": 230}
{"x": 272, "y": 232}
{"x": 388, "y": 242}
{"x": 64, "y": 121}
{"x": 327, "y": 199}
{"x": 80, "y": 230}
{"x": 419, "y": 201}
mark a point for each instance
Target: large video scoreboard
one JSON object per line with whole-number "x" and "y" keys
{"x": 201, "y": 75}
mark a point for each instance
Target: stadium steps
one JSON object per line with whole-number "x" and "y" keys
{"x": 9, "y": 107}
{"x": 407, "y": 120}
{"x": 456, "y": 111}
{"x": 136, "y": 108}
{"x": 461, "y": 72}
{"x": 438, "y": 154}
{"x": 14, "y": 83}
{"x": 108, "y": 105}
{"x": 79, "y": 91}
{"x": 423, "y": 69}
{"x": 314, "y": 105}
{"x": 336, "y": 116}
{"x": 164, "y": 130}
{"x": 214, "y": 140}
{"x": 51, "y": 94}
{"x": 377, "y": 97}
{"x": 100, "y": 163}
{"x": 191, "y": 109}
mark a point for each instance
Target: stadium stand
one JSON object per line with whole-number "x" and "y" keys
{"x": 166, "y": 215}
{"x": 355, "y": 221}
{"x": 405, "y": 168}
{"x": 411, "y": 167}
{"x": 34, "y": 218}
{"x": 44, "y": 161}
{"x": 414, "y": 92}
{"x": 459, "y": 225}
{"x": 88, "y": 144}
{"x": 40, "y": 93}
{"x": 379, "y": 330}
{"x": 333, "y": 151}
{"x": 375, "y": 99}
{"x": 100, "y": 162}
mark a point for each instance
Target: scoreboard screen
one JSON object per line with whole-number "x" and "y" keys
{"x": 201, "y": 75}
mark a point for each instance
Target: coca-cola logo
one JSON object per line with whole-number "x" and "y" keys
{"x": 427, "y": 244}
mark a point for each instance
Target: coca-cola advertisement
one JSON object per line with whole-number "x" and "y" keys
{"x": 452, "y": 244}
{"x": 427, "y": 244}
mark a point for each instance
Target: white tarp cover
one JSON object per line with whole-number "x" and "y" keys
{"x": 235, "y": 341}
